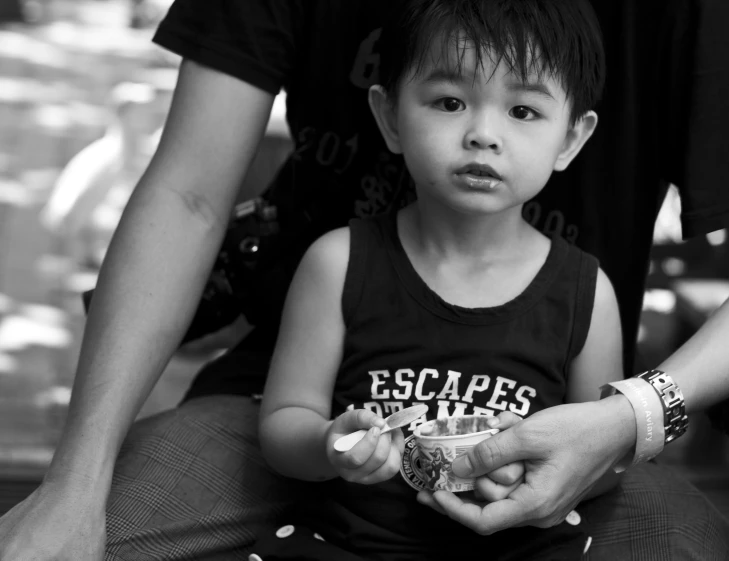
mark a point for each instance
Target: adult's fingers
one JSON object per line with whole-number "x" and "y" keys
{"x": 484, "y": 519}
{"x": 491, "y": 491}
{"x": 501, "y": 449}
{"x": 426, "y": 498}
{"x": 506, "y": 475}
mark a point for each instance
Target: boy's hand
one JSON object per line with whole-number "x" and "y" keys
{"x": 373, "y": 459}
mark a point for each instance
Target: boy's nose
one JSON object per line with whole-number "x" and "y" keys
{"x": 483, "y": 135}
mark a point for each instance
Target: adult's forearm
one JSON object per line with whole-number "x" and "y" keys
{"x": 293, "y": 441}
{"x": 147, "y": 292}
{"x": 700, "y": 367}
{"x": 159, "y": 258}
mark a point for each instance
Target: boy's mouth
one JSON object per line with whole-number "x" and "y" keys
{"x": 479, "y": 170}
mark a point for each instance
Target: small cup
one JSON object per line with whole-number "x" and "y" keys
{"x": 441, "y": 441}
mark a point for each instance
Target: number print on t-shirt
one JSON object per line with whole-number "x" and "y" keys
{"x": 366, "y": 69}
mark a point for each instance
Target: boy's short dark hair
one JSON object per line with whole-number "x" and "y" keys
{"x": 564, "y": 34}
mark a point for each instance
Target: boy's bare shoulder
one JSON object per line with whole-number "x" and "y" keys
{"x": 334, "y": 241}
{"x": 330, "y": 251}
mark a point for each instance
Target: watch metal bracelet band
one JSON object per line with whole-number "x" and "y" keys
{"x": 675, "y": 420}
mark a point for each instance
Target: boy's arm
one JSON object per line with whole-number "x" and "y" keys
{"x": 600, "y": 361}
{"x": 296, "y": 409}
{"x": 148, "y": 290}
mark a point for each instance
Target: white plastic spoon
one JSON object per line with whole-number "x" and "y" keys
{"x": 394, "y": 421}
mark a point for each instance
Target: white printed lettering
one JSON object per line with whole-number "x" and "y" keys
{"x": 483, "y": 411}
{"x": 498, "y": 392}
{"x": 649, "y": 422}
{"x": 421, "y": 380}
{"x": 478, "y": 383}
{"x": 399, "y": 380}
{"x": 377, "y": 382}
{"x": 444, "y": 411}
{"x": 391, "y": 407}
{"x": 525, "y": 403}
{"x": 451, "y": 386}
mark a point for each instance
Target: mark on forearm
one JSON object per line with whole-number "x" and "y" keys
{"x": 200, "y": 208}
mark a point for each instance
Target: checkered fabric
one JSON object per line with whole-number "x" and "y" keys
{"x": 191, "y": 484}
{"x": 655, "y": 515}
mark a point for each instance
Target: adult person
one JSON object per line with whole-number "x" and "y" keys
{"x": 190, "y": 483}
{"x": 564, "y": 453}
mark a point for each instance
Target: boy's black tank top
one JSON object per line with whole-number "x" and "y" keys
{"x": 405, "y": 345}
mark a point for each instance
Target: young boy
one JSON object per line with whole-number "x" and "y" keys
{"x": 454, "y": 301}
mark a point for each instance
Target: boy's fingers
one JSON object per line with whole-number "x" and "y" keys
{"x": 398, "y": 440}
{"x": 364, "y": 419}
{"x": 381, "y": 452}
{"x": 504, "y": 420}
{"x": 382, "y": 468}
{"x": 361, "y": 452}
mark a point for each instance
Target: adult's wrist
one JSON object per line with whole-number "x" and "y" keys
{"x": 76, "y": 461}
{"x": 622, "y": 424}
{"x": 89, "y": 494}
{"x": 648, "y": 415}
{"x": 93, "y": 480}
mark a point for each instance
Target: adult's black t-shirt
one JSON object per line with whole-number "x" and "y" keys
{"x": 662, "y": 120}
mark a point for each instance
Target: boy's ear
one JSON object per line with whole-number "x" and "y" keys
{"x": 386, "y": 116}
{"x": 575, "y": 140}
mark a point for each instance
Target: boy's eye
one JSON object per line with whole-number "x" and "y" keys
{"x": 450, "y": 104}
{"x": 523, "y": 113}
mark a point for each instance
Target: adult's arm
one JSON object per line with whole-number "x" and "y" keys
{"x": 567, "y": 448}
{"x": 148, "y": 290}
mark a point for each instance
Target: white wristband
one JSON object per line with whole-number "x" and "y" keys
{"x": 648, "y": 411}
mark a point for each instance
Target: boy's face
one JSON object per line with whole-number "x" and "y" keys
{"x": 483, "y": 142}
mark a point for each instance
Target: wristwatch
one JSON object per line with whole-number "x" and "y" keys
{"x": 675, "y": 420}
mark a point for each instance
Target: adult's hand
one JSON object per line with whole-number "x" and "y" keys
{"x": 57, "y": 522}
{"x": 566, "y": 449}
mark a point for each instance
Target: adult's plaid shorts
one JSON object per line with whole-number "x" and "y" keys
{"x": 191, "y": 484}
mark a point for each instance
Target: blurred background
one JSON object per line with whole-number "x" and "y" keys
{"x": 83, "y": 95}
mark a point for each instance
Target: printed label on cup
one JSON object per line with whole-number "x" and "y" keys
{"x": 441, "y": 441}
